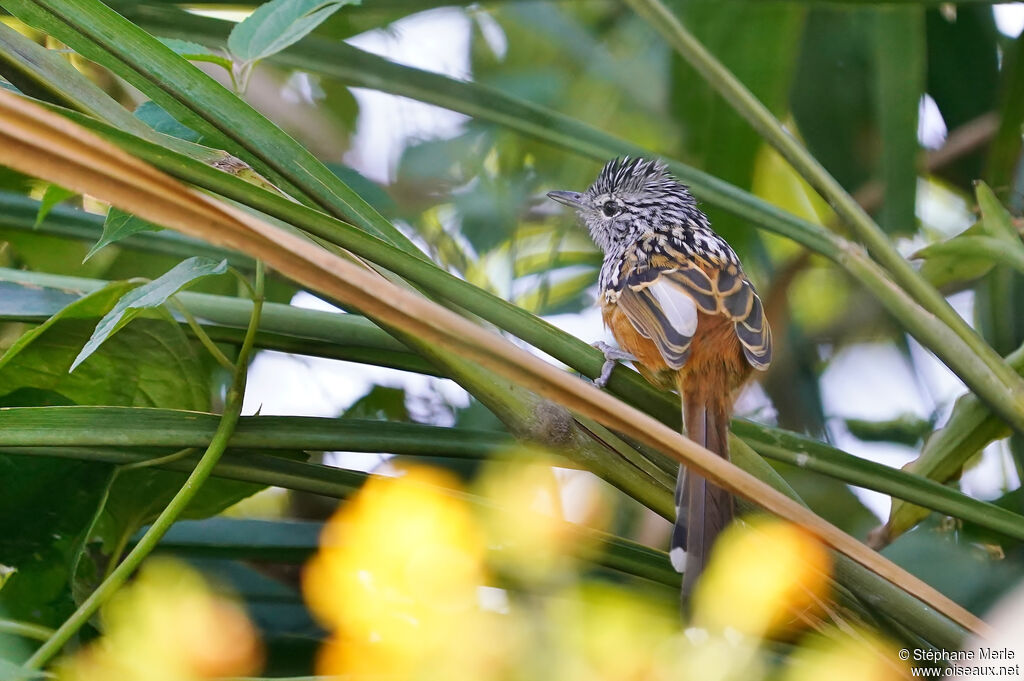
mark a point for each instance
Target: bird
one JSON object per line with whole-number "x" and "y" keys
{"x": 674, "y": 296}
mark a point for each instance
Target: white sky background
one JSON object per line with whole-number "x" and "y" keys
{"x": 869, "y": 381}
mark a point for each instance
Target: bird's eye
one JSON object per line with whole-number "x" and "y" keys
{"x": 611, "y": 209}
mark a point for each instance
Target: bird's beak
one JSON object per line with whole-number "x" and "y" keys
{"x": 571, "y": 199}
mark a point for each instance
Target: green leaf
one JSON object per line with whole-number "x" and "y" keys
{"x": 49, "y": 500}
{"x": 17, "y": 214}
{"x": 831, "y": 93}
{"x": 973, "y": 250}
{"x": 119, "y": 225}
{"x": 50, "y": 76}
{"x": 970, "y": 428}
{"x": 15, "y": 672}
{"x": 994, "y": 240}
{"x": 34, "y": 296}
{"x": 139, "y": 495}
{"x": 907, "y": 429}
{"x": 759, "y": 43}
{"x": 899, "y": 50}
{"x": 1004, "y": 149}
{"x": 196, "y": 52}
{"x": 92, "y": 306}
{"x": 381, "y": 403}
{"x": 995, "y": 218}
{"x": 151, "y": 295}
{"x": 156, "y": 117}
{"x": 277, "y": 24}
{"x": 54, "y": 194}
{"x": 945, "y": 264}
{"x": 199, "y": 102}
{"x": 964, "y": 42}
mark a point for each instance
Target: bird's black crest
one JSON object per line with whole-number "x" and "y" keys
{"x": 625, "y": 174}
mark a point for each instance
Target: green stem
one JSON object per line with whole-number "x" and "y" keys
{"x": 201, "y": 335}
{"x": 177, "y": 505}
{"x": 25, "y": 629}
{"x": 993, "y": 375}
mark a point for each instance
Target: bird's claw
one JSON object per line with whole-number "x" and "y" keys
{"x": 612, "y": 355}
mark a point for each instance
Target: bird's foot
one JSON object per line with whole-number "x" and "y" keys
{"x": 612, "y": 355}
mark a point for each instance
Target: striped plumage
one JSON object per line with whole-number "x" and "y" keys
{"x": 675, "y": 297}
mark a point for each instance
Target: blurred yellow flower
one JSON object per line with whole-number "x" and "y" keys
{"x": 602, "y": 632}
{"x": 397, "y": 578}
{"x": 167, "y": 625}
{"x": 525, "y": 525}
{"x": 860, "y": 656}
{"x": 763, "y": 575}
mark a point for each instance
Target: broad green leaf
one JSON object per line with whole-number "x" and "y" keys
{"x": 196, "y": 52}
{"x": 90, "y": 306}
{"x": 49, "y": 500}
{"x": 10, "y": 671}
{"x": 139, "y": 495}
{"x": 955, "y": 567}
{"x": 54, "y": 194}
{"x": 119, "y": 225}
{"x": 277, "y": 24}
{"x": 151, "y": 295}
{"x": 899, "y": 59}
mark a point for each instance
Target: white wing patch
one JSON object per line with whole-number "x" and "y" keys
{"x": 677, "y": 305}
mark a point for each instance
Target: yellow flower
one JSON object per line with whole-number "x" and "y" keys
{"x": 763, "y": 575}
{"x": 526, "y": 530}
{"x": 396, "y": 579}
{"x": 860, "y": 656}
{"x": 168, "y": 626}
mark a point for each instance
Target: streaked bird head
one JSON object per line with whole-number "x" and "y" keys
{"x": 630, "y": 197}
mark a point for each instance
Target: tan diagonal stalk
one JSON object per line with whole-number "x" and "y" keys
{"x": 40, "y": 143}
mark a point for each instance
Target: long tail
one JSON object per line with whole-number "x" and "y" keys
{"x": 702, "y": 509}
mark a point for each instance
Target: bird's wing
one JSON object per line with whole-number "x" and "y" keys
{"x": 740, "y": 303}
{"x": 664, "y": 308}
{"x": 662, "y": 304}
